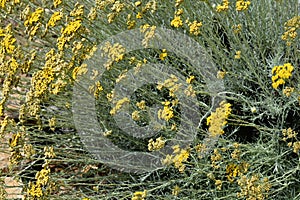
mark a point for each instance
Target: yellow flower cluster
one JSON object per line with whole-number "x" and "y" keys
{"x": 237, "y": 28}
{"x": 223, "y": 7}
{"x": 42, "y": 79}
{"x": 15, "y": 145}
{"x": 189, "y": 91}
{"x": 55, "y": 17}
{"x": 29, "y": 151}
{"x": 215, "y": 158}
{"x": 35, "y": 190}
{"x": 130, "y": 22}
{"x": 221, "y": 74}
{"x": 68, "y": 32}
{"x": 194, "y": 27}
{"x": 233, "y": 170}
{"x": 150, "y": 6}
{"x": 56, "y": 3}
{"x": 149, "y": 32}
{"x": 49, "y": 152}
{"x": 237, "y": 55}
{"x": 34, "y": 17}
{"x": 71, "y": 27}
{"x": 217, "y": 120}
{"x": 114, "y": 53}
{"x": 253, "y": 187}
{"x": 181, "y": 155}
{"x": 176, "y": 190}
{"x": 118, "y": 105}
{"x": 156, "y": 145}
{"x": 110, "y": 95}
{"x": 287, "y": 91}
{"x": 190, "y": 79}
{"x": 291, "y": 27}
{"x": 218, "y": 184}
{"x": 280, "y": 73}
{"x": 80, "y": 70}
{"x": 116, "y": 8}
{"x": 242, "y": 5}
{"x": 42, "y": 186}
{"x": 135, "y": 115}
{"x": 163, "y": 54}
{"x": 139, "y": 195}
{"x": 178, "y": 3}
{"x": 52, "y": 122}
{"x": 141, "y": 105}
{"x": 15, "y": 140}
{"x": 7, "y": 41}
{"x": 167, "y": 113}
{"x": 171, "y": 84}
{"x": 176, "y": 22}
{"x": 290, "y": 136}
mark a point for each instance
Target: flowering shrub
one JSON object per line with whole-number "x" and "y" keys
{"x": 245, "y": 147}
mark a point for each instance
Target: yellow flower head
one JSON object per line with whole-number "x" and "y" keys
{"x": 176, "y": 22}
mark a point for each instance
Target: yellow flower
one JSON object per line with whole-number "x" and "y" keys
{"x": 118, "y": 106}
{"x": 34, "y": 17}
{"x": 149, "y": 33}
{"x": 280, "y": 74}
{"x": 190, "y": 79}
{"x": 242, "y": 5}
{"x": 141, "y": 105}
{"x": 175, "y": 190}
{"x": 156, "y": 145}
{"x": 42, "y": 177}
{"x": 166, "y": 114}
{"x": 93, "y": 14}
{"x": 237, "y": 55}
{"x": 217, "y": 119}
{"x": 179, "y": 12}
{"x": 49, "y": 152}
{"x": 34, "y": 190}
{"x": 135, "y": 115}
{"x": 77, "y": 71}
{"x": 15, "y": 140}
{"x": 237, "y": 28}
{"x": 56, "y": 3}
{"x": 8, "y": 40}
{"x": 178, "y": 2}
{"x": 287, "y": 91}
{"x": 72, "y": 27}
{"x": 139, "y": 15}
{"x": 176, "y": 22}
{"x": 77, "y": 11}
{"x": 139, "y": 195}
{"x": 221, "y": 74}
{"x": 194, "y": 27}
{"x": 218, "y": 183}
{"x": 291, "y": 27}
{"x": 52, "y": 123}
{"x": 253, "y": 187}
{"x": 190, "y": 91}
{"x": 137, "y": 3}
{"x": 54, "y": 18}
{"x": 223, "y": 7}
{"x": 163, "y": 55}
{"x": 2, "y": 3}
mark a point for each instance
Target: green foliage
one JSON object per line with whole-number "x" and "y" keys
{"x": 257, "y": 157}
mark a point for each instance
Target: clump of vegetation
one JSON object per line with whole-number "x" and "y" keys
{"x": 224, "y": 121}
